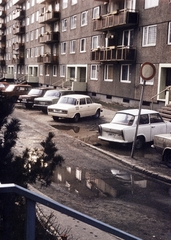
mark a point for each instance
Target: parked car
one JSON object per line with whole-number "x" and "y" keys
{"x": 3, "y": 86}
{"x": 13, "y": 91}
{"x": 28, "y": 99}
{"x": 49, "y": 98}
{"x": 74, "y": 106}
{"x": 162, "y": 144}
{"x": 123, "y": 126}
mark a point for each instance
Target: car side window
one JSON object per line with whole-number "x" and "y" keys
{"x": 89, "y": 101}
{"x": 82, "y": 101}
{"x": 144, "y": 119}
{"x": 155, "y": 118}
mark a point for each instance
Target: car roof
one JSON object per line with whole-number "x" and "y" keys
{"x": 136, "y": 111}
{"x": 77, "y": 96}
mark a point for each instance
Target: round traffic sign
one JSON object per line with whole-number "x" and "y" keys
{"x": 148, "y": 71}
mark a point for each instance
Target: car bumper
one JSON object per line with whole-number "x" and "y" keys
{"x": 112, "y": 140}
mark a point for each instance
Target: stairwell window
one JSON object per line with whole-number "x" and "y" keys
{"x": 125, "y": 75}
{"x": 149, "y": 36}
{"x": 93, "y": 74}
{"x": 169, "y": 34}
{"x": 108, "y": 72}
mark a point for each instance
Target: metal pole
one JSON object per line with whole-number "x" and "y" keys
{"x": 31, "y": 214}
{"x": 138, "y": 120}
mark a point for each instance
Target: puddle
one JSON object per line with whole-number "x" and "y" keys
{"x": 111, "y": 183}
{"x": 67, "y": 128}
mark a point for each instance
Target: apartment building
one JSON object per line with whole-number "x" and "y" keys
{"x": 89, "y": 45}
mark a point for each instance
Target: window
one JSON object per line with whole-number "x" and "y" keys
{"x": 151, "y": 3}
{"x": 47, "y": 70}
{"x": 64, "y": 25}
{"x": 125, "y": 73}
{"x": 73, "y": 21}
{"x": 128, "y": 36}
{"x": 65, "y": 4}
{"x": 28, "y": 21}
{"x": 93, "y": 74}
{"x": 96, "y": 12}
{"x": 32, "y": 18}
{"x": 169, "y": 34}
{"x": 54, "y": 70}
{"x": 83, "y": 45}
{"x": 32, "y": 35}
{"x": 149, "y": 35}
{"x": 62, "y": 70}
{"x": 72, "y": 46}
{"x": 108, "y": 72}
{"x": 84, "y": 18}
{"x": 95, "y": 42}
{"x": 63, "y": 47}
{"x": 73, "y": 2}
{"x": 37, "y": 34}
{"x": 41, "y": 70}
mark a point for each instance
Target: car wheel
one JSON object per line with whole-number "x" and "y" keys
{"x": 97, "y": 114}
{"x": 167, "y": 158}
{"x": 139, "y": 143}
{"x": 76, "y": 117}
{"x": 55, "y": 118}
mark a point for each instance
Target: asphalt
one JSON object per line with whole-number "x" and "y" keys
{"x": 149, "y": 165}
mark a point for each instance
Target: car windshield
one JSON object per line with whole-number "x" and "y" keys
{"x": 52, "y": 94}
{"x": 123, "y": 119}
{"x": 34, "y": 92}
{"x": 68, "y": 100}
{"x": 10, "y": 88}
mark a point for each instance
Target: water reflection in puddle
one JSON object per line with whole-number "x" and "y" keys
{"x": 109, "y": 183}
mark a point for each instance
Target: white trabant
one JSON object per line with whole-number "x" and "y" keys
{"x": 123, "y": 126}
{"x": 74, "y": 106}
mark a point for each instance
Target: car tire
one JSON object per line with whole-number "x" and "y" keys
{"x": 167, "y": 158}
{"x": 139, "y": 143}
{"x": 76, "y": 118}
{"x": 55, "y": 118}
{"x": 97, "y": 114}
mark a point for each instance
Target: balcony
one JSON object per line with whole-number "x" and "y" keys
{"x": 50, "y": 59}
{"x": 49, "y": 16}
{"x": 68, "y": 214}
{"x": 18, "y": 2}
{"x": 19, "y": 14}
{"x": 3, "y": 2}
{"x": 18, "y": 30}
{"x": 40, "y": 59}
{"x": 114, "y": 54}
{"x": 18, "y": 46}
{"x": 2, "y": 38}
{"x": 2, "y": 62}
{"x": 2, "y": 48}
{"x": 45, "y": 1}
{"x": 2, "y": 13}
{"x": 49, "y": 37}
{"x": 18, "y": 60}
{"x": 2, "y": 26}
{"x": 116, "y": 19}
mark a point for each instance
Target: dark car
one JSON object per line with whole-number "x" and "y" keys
{"x": 28, "y": 99}
{"x": 49, "y": 98}
{"x": 13, "y": 91}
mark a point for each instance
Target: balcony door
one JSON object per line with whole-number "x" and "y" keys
{"x": 127, "y": 38}
{"x": 130, "y": 4}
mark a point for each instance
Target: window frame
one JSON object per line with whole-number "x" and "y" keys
{"x": 83, "y": 43}
{"x": 93, "y": 44}
{"x": 72, "y": 46}
{"x": 93, "y": 73}
{"x": 106, "y": 73}
{"x": 84, "y": 18}
{"x": 128, "y": 80}
{"x": 146, "y": 36}
{"x": 64, "y": 25}
{"x": 150, "y": 4}
{"x": 63, "y": 48}
{"x": 169, "y": 34}
{"x": 73, "y": 21}
{"x": 55, "y": 70}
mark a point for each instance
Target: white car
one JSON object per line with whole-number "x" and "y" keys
{"x": 123, "y": 126}
{"x": 74, "y": 106}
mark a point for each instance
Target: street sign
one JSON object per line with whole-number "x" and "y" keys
{"x": 147, "y": 71}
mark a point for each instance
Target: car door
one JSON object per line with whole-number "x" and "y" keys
{"x": 158, "y": 126}
{"x": 83, "y": 109}
{"x": 91, "y": 107}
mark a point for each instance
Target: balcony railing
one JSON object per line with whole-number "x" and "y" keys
{"x": 40, "y": 59}
{"x": 33, "y": 198}
{"x": 49, "y": 37}
{"x": 113, "y": 54}
{"x": 50, "y": 59}
{"x": 3, "y": 2}
{"x": 18, "y": 2}
{"x": 2, "y": 26}
{"x": 2, "y": 62}
{"x": 18, "y": 15}
{"x": 18, "y": 60}
{"x": 2, "y": 13}
{"x": 18, "y": 46}
{"x": 120, "y": 18}
{"x": 2, "y": 38}
{"x": 19, "y": 30}
{"x": 49, "y": 16}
